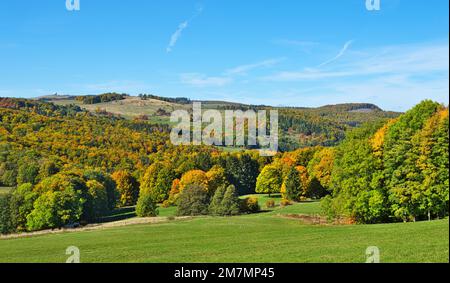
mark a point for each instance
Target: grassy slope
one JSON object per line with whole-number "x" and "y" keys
{"x": 263, "y": 237}
{"x": 130, "y": 107}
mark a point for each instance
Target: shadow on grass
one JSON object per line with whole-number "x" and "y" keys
{"x": 119, "y": 214}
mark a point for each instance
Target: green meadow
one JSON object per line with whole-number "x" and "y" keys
{"x": 268, "y": 236}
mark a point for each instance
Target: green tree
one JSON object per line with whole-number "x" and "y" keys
{"x": 292, "y": 185}
{"x": 22, "y": 201}
{"x": 146, "y": 206}
{"x": 55, "y": 209}
{"x": 27, "y": 172}
{"x": 98, "y": 197}
{"x": 193, "y": 200}
{"x": 6, "y": 223}
{"x": 215, "y": 207}
{"x": 404, "y": 179}
{"x": 269, "y": 181}
{"x": 107, "y": 181}
{"x": 230, "y": 202}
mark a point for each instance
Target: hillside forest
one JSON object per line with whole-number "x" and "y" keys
{"x": 66, "y": 165}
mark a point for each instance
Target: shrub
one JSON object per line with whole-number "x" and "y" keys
{"x": 166, "y": 204}
{"x": 193, "y": 200}
{"x": 270, "y": 203}
{"x": 250, "y": 205}
{"x": 146, "y": 206}
{"x": 285, "y": 202}
{"x": 315, "y": 190}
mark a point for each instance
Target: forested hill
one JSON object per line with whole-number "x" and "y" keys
{"x": 68, "y": 164}
{"x": 300, "y": 126}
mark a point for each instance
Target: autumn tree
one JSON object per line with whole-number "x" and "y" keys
{"x": 194, "y": 177}
{"x": 157, "y": 181}
{"x": 216, "y": 178}
{"x": 127, "y": 187}
{"x": 321, "y": 166}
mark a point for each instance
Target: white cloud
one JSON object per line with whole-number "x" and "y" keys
{"x": 249, "y": 67}
{"x": 393, "y": 77}
{"x": 395, "y": 60}
{"x": 181, "y": 27}
{"x": 339, "y": 55}
{"x": 201, "y": 80}
{"x": 176, "y": 35}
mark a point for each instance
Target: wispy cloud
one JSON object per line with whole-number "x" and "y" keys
{"x": 393, "y": 77}
{"x": 339, "y": 55}
{"x": 181, "y": 27}
{"x": 392, "y": 60}
{"x": 228, "y": 76}
{"x": 249, "y": 67}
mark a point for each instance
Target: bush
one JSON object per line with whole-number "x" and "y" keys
{"x": 166, "y": 204}
{"x": 285, "y": 202}
{"x": 270, "y": 203}
{"x": 315, "y": 190}
{"x": 193, "y": 200}
{"x": 146, "y": 206}
{"x": 250, "y": 205}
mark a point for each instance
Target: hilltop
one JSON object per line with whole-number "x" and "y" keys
{"x": 300, "y": 126}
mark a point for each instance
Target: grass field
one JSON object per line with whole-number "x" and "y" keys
{"x": 263, "y": 237}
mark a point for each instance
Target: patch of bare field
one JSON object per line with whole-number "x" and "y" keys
{"x": 90, "y": 227}
{"x": 316, "y": 219}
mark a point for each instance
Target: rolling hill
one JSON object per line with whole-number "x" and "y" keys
{"x": 300, "y": 126}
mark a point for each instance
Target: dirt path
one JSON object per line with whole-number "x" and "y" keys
{"x": 90, "y": 227}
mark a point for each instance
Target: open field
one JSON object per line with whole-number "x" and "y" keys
{"x": 263, "y": 237}
{"x": 130, "y": 107}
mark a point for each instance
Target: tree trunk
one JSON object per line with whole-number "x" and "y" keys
{"x": 429, "y": 215}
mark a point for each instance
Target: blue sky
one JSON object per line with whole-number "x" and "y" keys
{"x": 295, "y": 53}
